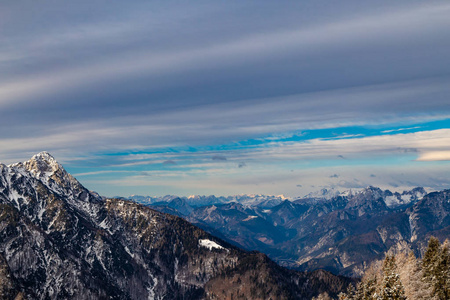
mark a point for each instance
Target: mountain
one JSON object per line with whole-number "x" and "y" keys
{"x": 323, "y": 194}
{"x": 60, "y": 241}
{"x": 266, "y": 201}
{"x": 175, "y": 206}
{"x": 339, "y": 232}
{"x": 391, "y": 199}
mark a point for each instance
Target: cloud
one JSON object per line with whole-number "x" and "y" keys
{"x": 102, "y": 172}
{"x": 145, "y": 173}
{"x": 145, "y": 61}
{"x": 400, "y": 129}
{"x": 112, "y": 88}
{"x": 219, "y": 158}
{"x": 150, "y": 79}
{"x": 351, "y": 184}
{"x": 407, "y": 150}
{"x": 434, "y": 156}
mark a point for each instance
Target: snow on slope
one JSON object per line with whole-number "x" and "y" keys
{"x": 209, "y": 244}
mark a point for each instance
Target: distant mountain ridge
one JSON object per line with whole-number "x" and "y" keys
{"x": 343, "y": 233}
{"x": 60, "y": 241}
{"x": 198, "y": 200}
{"x": 392, "y": 199}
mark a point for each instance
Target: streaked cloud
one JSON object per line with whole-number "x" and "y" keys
{"x": 236, "y": 96}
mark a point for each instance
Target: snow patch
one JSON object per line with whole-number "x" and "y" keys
{"x": 249, "y": 218}
{"x": 391, "y": 201}
{"x": 128, "y": 251}
{"x": 14, "y": 195}
{"x": 209, "y": 244}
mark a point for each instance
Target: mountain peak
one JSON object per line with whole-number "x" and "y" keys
{"x": 42, "y": 164}
{"x": 43, "y": 155}
{"x": 43, "y": 170}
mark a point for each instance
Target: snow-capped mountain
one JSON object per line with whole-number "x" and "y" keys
{"x": 198, "y": 200}
{"x": 323, "y": 194}
{"x": 391, "y": 199}
{"x": 60, "y": 241}
{"x": 341, "y": 233}
{"x": 406, "y": 197}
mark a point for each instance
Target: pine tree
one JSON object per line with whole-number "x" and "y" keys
{"x": 430, "y": 259}
{"x": 443, "y": 272}
{"x": 349, "y": 294}
{"x": 392, "y": 287}
{"x": 367, "y": 289}
{"x": 436, "y": 268}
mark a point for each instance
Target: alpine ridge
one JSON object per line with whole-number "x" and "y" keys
{"x": 60, "y": 241}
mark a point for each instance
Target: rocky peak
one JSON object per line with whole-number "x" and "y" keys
{"x": 368, "y": 200}
{"x": 42, "y": 165}
{"x": 42, "y": 172}
{"x": 373, "y": 191}
{"x": 416, "y": 193}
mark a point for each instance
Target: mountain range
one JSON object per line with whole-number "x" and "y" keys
{"x": 59, "y": 240}
{"x": 339, "y": 232}
{"x": 198, "y": 200}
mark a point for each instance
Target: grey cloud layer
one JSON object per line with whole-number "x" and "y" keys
{"x": 94, "y": 75}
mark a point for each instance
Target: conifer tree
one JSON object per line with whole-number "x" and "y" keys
{"x": 443, "y": 273}
{"x": 367, "y": 289}
{"x": 436, "y": 268}
{"x": 430, "y": 260}
{"x": 391, "y": 287}
{"x": 349, "y": 294}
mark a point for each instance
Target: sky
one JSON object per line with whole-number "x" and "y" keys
{"x": 229, "y": 97}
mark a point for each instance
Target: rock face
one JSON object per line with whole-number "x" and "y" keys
{"x": 342, "y": 233}
{"x": 60, "y": 241}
